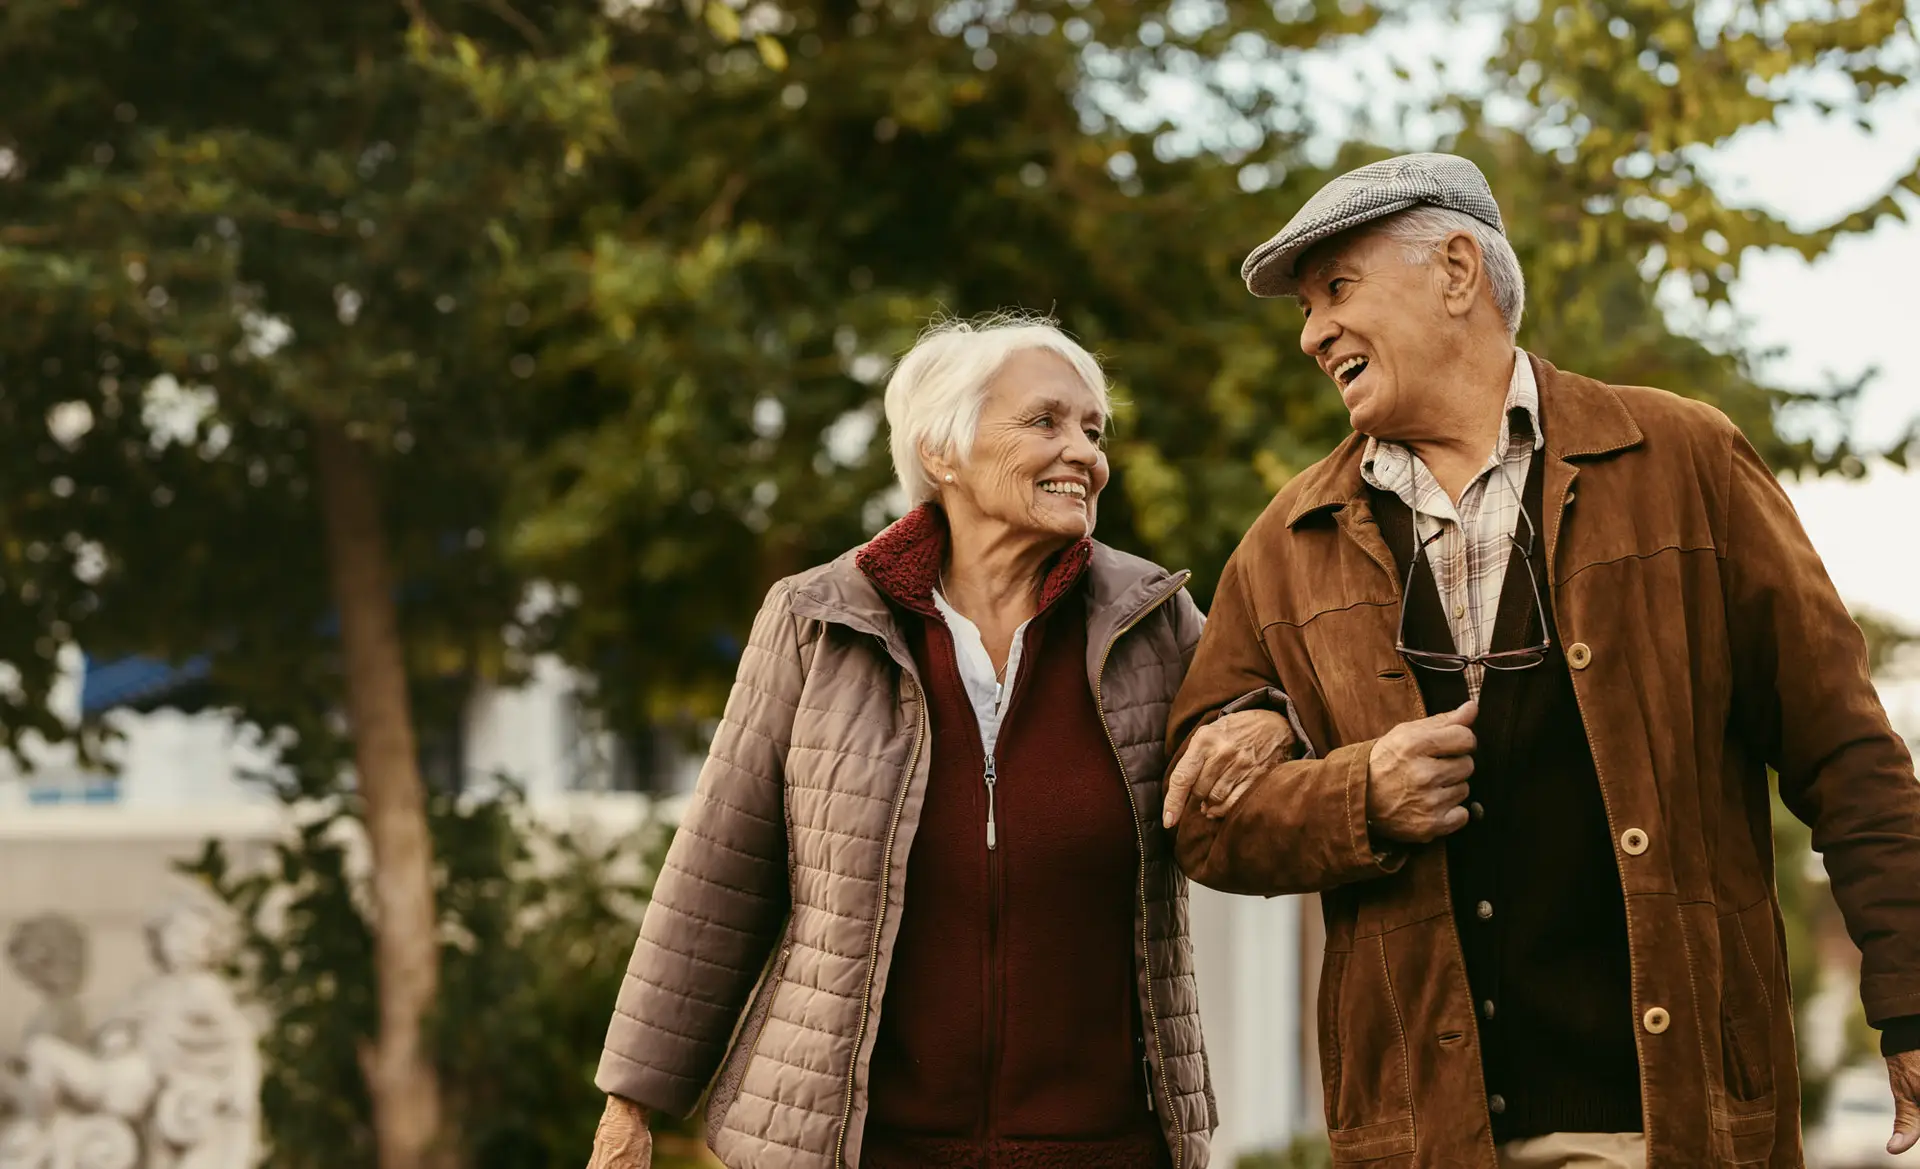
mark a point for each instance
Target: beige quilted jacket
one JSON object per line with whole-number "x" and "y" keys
{"x": 763, "y": 959}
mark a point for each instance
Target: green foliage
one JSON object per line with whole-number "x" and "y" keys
{"x": 611, "y": 294}
{"x": 1887, "y": 638}
{"x": 536, "y": 926}
{"x": 1801, "y": 905}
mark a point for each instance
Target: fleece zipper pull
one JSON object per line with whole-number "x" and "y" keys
{"x": 993, "y": 837}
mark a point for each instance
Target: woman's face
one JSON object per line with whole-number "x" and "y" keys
{"x": 1038, "y": 462}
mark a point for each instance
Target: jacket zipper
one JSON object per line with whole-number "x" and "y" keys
{"x": 991, "y": 774}
{"x": 879, "y": 923}
{"x": 1159, "y": 1056}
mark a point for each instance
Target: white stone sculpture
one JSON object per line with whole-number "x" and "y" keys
{"x": 49, "y": 953}
{"x": 171, "y": 1079}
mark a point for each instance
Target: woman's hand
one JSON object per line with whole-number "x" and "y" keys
{"x": 623, "y": 1140}
{"x": 1224, "y": 759}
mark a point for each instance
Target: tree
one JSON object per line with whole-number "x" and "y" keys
{"x": 239, "y": 306}
{"x": 914, "y": 158}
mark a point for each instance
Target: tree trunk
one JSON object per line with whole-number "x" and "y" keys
{"x": 401, "y": 1079}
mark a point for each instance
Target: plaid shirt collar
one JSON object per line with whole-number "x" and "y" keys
{"x": 1389, "y": 465}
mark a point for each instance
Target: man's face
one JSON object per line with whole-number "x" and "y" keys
{"x": 1377, "y": 325}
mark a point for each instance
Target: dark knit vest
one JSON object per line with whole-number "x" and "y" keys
{"x": 1008, "y": 1031}
{"x": 1536, "y": 889}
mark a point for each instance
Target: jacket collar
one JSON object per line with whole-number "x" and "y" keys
{"x": 904, "y": 561}
{"x": 1583, "y": 419}
{"x": 843, "y": 591}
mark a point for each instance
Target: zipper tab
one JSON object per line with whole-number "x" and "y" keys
{"x": 993, "y": 841}
{"x": 1146, "y": 1070}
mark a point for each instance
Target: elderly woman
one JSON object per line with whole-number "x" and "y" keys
{"x": 921, "y": 910}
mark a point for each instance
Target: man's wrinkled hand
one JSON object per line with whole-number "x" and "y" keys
{"x": 623, "y": 1140}
{"x": 1417, "y": 777}
{"x": 1904, "y": 1072}
{"x": 1230, "y": 753}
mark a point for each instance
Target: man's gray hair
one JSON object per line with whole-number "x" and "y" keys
{"x": 1424, "y": 229}
{"x": 935, "y": 394}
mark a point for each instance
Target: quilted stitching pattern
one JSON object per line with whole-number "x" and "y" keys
{"x": 783, "y": 846}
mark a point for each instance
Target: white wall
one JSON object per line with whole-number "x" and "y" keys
{"x": 1247, "y": 953}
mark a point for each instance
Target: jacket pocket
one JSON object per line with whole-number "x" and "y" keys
{"x": 1746, "y": 1008}
{"x": 1363, "y": 1056}
{"x": 746, "y": 1044}
{"x": 1750, "y": 983}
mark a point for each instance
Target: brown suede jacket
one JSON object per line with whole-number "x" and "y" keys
{"x": 1706, "y": 645}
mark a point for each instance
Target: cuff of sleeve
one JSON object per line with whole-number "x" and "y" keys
{"x": 1899, "y": 1036}
{"x": 651, "y": 1088}
{"x": 1268, "y": 698}
{"x": 1364, "y": 859}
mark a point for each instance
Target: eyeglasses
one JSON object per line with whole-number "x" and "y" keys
{"x": 1506, "y": 659}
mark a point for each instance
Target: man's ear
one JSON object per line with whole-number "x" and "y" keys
{"x": 1463, "y": 273}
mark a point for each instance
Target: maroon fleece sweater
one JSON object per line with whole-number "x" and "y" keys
{"x": 1009, "y": 1029}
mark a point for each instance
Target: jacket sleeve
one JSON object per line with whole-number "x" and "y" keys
{"x": 1805, "y": 703}
{"x": 1301, "y": 829}
{"x": 722, "y": 894}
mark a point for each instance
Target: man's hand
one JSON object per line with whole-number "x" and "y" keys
{"x": 1417, "y": 777}
{"x": 1904, "y": 1071}
{"x": 623, "y": 1140}
{"x": 1233, "y": 751}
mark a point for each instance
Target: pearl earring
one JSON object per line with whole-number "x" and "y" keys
{"x": 949, "y": 476}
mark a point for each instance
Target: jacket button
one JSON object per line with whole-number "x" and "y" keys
{"x": 1633, "y": 842}
{"x": 1656, "y": 1020}
{"x": 1486, "y": 1009}
{"x": 1476, "y": 809}
{"x": 1485, "y": 910}
{"x": 1578, "y": 655}
{"x": 1496, "y": 1104}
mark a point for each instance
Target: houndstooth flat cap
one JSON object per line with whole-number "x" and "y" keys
{"x": 1368, "y": 193}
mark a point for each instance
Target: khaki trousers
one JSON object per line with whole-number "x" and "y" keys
{"x": 1576, "y": 1150}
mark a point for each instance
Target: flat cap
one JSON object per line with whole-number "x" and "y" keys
{"x": 1363, "y": 195}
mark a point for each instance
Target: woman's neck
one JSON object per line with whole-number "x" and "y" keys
{"x": 993, "y": 578}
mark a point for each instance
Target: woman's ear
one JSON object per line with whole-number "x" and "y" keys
{"x": 938, "y": 469}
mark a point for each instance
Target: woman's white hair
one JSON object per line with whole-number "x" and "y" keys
{"x": 1424, "y": 229}
{"x": 937, "y": 389}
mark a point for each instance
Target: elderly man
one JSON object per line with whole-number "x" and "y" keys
{"x": 1537, "y": 641}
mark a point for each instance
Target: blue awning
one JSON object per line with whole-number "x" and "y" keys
{"x": 138, "y": 682}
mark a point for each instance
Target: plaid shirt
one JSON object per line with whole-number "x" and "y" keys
{"x": 1469, "y": 560}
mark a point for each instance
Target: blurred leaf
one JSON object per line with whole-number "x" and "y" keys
{"x": 724, "y": 21}
{"x": 771, "y": 51}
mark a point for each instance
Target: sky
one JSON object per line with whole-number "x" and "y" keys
{"x": 1856, "y": 307}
